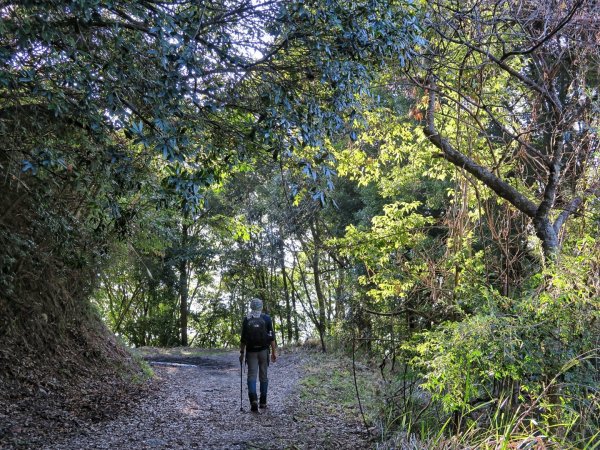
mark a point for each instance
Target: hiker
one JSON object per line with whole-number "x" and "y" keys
{"x": 257, "y": 337}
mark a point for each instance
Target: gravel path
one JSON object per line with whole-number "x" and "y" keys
{"x": 197, "y": 405}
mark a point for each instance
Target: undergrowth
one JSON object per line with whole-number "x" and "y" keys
{"x": 329, "y": 383}
{"x": 401, "y": 414}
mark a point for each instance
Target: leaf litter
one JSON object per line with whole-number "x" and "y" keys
{"x": 194, "y": 402}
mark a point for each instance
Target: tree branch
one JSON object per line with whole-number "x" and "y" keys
{"x": 499, "y": 186}
{"x": 504, "y": 66}
{"x": 574, "y": 206}
{"x": 547, "y": 37}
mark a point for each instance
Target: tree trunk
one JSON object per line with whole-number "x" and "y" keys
{"x": 547, "y": 234}
{"x": 539, "y": 214}
{"x": 286, "y": 292}
{"x": 282, "y": 327}
{"x": 183, "y": 286}
{"x": 322, "y": 322}
{"x": 295, "y": 317}
{"x": 339, "y": 290}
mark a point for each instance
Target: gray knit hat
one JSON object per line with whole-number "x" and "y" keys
{"x": 256, "y": 304}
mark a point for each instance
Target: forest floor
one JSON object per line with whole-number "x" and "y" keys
{"x": 194, "y": 402}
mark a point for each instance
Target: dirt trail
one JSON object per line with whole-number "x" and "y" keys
{"x": 197, "y": 405}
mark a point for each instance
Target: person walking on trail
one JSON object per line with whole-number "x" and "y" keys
{"x": 257, "y": 337}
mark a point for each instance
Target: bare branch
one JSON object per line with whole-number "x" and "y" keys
{"x": 574, "y": 206}
{"x": 547, "y": 36}
{"x": 499, "y": 186}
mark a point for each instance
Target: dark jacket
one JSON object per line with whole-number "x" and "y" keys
{"x": 270, "y": 333}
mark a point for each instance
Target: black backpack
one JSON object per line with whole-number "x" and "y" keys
{"x": 256, "y": 333}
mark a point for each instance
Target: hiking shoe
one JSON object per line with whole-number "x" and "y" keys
{"x": 262, "y": 405}
{"x": 254, "y": 406}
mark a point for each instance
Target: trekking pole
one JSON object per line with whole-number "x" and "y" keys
{"x": 241, "y": 389}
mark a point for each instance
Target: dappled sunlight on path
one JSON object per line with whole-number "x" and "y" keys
{"x": 198, "y": 406}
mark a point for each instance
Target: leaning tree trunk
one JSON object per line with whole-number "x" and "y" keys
{"x": 546, "y": 231}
